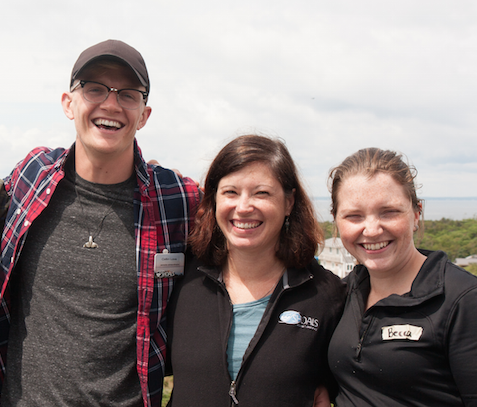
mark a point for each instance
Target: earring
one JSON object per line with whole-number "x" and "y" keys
{"x": 416, "y": 228}
{"x": 287, "y": 223}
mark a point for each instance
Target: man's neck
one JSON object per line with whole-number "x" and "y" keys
{"x": 105, "y": 169}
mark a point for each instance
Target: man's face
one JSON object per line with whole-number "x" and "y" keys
{"x": 106, "y": 129}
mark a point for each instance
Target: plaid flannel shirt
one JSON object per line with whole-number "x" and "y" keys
{"x": 4, "y": 204}
{"x": 164, "y": 209}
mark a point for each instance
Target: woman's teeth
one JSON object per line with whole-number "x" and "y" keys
{"x": 375, "y": 246}
{"x": 246, "y": 225}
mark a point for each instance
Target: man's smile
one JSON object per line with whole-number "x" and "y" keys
{"x": 107, "y": 124}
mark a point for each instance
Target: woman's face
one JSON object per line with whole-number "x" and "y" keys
{"x": 376, "y": 222}
{"x": 250, "y": 209}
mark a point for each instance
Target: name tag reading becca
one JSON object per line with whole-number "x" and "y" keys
{"x": 168, "y": 265}
{"x": 410, "y": 332}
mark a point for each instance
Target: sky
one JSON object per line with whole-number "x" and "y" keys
{"x": 327, "y": 77}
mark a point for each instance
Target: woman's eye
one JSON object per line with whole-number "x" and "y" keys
{"x": 353, "y": 217}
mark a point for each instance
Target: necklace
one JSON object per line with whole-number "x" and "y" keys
{"x": 269, "y": 291}
{"x": 91, "y": 244}
{"x": 274, "y": 285}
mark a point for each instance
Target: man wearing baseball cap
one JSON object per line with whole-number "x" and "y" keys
{"x": 87, "y": 233}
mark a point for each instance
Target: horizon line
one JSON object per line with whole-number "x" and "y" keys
{"x": 428, "y": 197}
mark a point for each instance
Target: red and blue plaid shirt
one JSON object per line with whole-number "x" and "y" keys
{"x": 164, "y": 209}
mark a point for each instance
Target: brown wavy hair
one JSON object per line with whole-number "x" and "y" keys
{"x": 298, "y": 245}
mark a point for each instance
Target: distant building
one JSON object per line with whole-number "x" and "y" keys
{"x": 466, "y": 261}
{"x": 336, "y": 258}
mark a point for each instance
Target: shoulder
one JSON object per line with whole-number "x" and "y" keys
{"x": 195, "y": 268}
{"x": 326, "y": 280}
{"x": 161, "y": 173}
{"x": 194, "y": 284}
{"x": 41, "y": 156}
{"x": 457, "y": 288}
{"x": 153, "y": 176}
{"x": 167, "y": 179}
{"x": 46, "y": 155}
{"x": 192, "y": 263}
{"x": 38, "y": 160}
{"x": 357, "y": 276}
{"x": 324, "y": 294}
{"x": 320, "y": 272}
{"x": 454, "y": 278}
{"x": 166, "y": 186}
{"x": 459, "y": 281}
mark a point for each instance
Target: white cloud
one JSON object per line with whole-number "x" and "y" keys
{"x": 328, "y": 77}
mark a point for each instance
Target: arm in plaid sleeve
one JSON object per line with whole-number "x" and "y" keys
{"x": 4, "y": 203}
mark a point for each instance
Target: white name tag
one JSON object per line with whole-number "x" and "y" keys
{"x": 168, "y": 265}
{"x": 410, "y": 332}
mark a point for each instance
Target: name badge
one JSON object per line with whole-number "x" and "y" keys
{"x": 167, "y": 265}
{"x": 410, "y": 332}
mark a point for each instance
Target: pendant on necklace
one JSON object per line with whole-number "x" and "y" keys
{"x": 90, "y": 244}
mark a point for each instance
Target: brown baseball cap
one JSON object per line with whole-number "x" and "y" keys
{"x": 115, "y": 49}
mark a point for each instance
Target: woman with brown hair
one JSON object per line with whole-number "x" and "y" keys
{"x": 407, "y": 335}
{"x": 252, "y": 318}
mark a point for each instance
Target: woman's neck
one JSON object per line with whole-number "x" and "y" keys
{"x": 399, "y": 282}
{"x": 249, "y": 278}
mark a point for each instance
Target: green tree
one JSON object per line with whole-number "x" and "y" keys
{"x": 456, "y": 238}
{"x": 328, "y": 228}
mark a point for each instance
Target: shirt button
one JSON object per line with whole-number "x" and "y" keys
{"x": 48, "y": 191}
{"x": 26, "y": 223}
{"x": 18, "y": 211}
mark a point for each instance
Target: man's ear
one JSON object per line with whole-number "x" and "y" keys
{"x": 66, "y": 101}
{"x": 145, "y": 115}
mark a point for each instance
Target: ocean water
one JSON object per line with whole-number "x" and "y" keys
{"x": 434, "y": 208}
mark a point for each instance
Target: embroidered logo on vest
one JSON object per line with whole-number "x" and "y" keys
{"x": 295, "y": 318}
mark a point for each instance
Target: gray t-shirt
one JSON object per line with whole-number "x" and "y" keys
{"x": 73, "y": 324}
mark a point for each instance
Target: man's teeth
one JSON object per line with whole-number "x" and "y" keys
{"x": 375, "y": 246}
{"x": 107, "y": 123}
{"x": 246, "y": 225}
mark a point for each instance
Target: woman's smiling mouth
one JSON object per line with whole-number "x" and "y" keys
{"x": 375, "y": 246}
{"x": 246, "y": 225}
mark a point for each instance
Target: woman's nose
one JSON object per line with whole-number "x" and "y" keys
{"x": 244, "y": 204}
{"x": 372, "y": 227}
